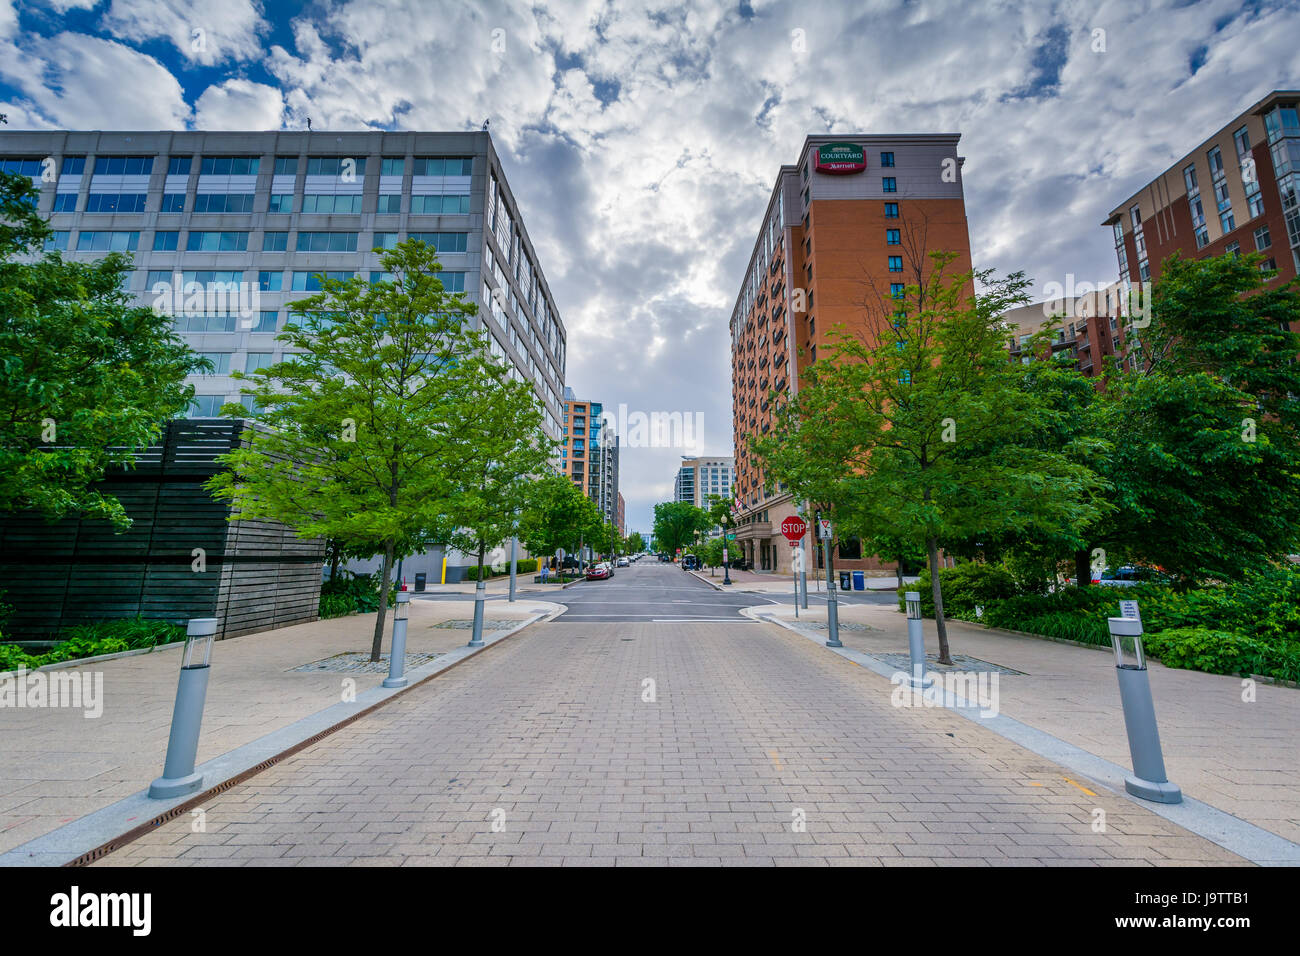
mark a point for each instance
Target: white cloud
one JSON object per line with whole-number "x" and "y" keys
{"x": 203, "y": 31}
{"x": 239, "y": 105}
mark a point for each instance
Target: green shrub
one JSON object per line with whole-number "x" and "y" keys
{"x": 362, "y": 589}
{"x": 13, "y": 657}
{"x": 135, "y": 632}
{"x": 965, "y": 586}
{"x": 1223, "y": 652}
{"x": 88, "y": 645}
{"x": 337, "y": 605}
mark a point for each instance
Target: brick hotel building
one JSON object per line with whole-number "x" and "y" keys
{"x": 853, "y": 216}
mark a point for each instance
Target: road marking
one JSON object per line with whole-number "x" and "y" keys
{"x": 1078, "y": 786}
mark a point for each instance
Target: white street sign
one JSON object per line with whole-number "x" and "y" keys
{"x": 1129, "y": 609}
{"x": 823, "y": 528}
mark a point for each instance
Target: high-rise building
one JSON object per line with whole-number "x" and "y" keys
{"x": 250, "y": 220}
{"x": 1091, "y": 331}
{"x": 847, "y": 226}
{"x": 701, "y": 478}
{"x": 1238, "y": 191}
{"x": 589, "y": 453}
{"x": 622, "y": 517}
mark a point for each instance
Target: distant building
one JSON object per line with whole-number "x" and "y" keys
{"x": 701, "y": 478}
{"x": 589, "y": 453}
{"x": 1091, "y": 331}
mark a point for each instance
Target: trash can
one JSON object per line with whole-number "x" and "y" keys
{"x": 846, "y": 581}
{"x": 420, "y": 578}
{"x": 859, "y": 580}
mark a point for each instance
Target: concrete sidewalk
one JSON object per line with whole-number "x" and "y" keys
{"x": 1239, "y": 756}
{"x": 57, "y": 765}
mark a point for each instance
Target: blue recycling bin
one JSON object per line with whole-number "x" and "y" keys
{"x": 859, "y": 580}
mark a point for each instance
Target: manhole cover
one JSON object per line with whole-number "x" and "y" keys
{"x": 960, "y": 662}
{"x": 844, "y": 626}
{"x": 358, "y": 662}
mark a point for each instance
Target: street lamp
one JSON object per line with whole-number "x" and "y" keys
{"x": 397, "y": 655}
{"x": 916, "y": 639}
{"x": 178, "y": 776}
{"x": 1149, "y": 780}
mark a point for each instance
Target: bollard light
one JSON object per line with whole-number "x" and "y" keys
{"x": 397, "y": 653}
{"x": 179, "y": 777}
{"x": 1149, "y": 780}
{"x": 913, "y": 600}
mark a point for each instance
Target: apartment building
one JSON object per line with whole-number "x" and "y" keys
{"x": 1091, "y": 331}
{"x": 589, "y": 453}
{"x": 847, "y": 225}
{"x": 1237, "y": 191}
{"x": 701, "y": 478}
{"x": 621, "y": 523}
{"x": 252, "y": 219}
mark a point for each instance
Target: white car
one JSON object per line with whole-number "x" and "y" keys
{"x": 623, "y": 562}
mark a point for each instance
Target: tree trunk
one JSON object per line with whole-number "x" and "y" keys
{"x": 384, "y": 577}
{"x": 1083, "y": 567}
{"x": 335, "y": 553}
{"x": 940, "y": 625}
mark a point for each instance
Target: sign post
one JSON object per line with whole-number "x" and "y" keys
{"x": 794, "y": 528}
{"x": 825, "y": 532}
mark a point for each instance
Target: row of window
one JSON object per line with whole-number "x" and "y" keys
{"x": 281, "y": 203}
{"x": 341, "y": 166}
{"x": 300, "y": 280}
{"x": 203, "y": 241}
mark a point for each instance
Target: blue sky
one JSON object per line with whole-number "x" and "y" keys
{"x": 642, "y": 139}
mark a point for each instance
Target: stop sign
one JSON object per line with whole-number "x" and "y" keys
{"x": 793, "y": 528}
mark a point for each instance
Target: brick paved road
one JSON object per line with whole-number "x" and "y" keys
{"x": 547, "y": 735}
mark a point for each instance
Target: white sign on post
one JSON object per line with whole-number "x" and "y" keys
{"x": 1129, "y": 609}
{"x": 824, "y": 528}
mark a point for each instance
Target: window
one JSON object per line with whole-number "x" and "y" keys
{"x": 21, "y": 167}
{"x": 329, "y": 204}
{"x": 223, "y": 202}
{"x": 1233, "y": 249}
{"x": 217, "y": 242}
{"x": 286, "y": 165}
{"x": 281, "y": 203}
{"x": 443, "y": 166}
{"x": 905, "y": 377}
{"x": 206, "y": 406}
{"x": 443, "y": 241}
{"x": 229, "y": 279}
{"x": 172, "y": 202}
{"x": 377, "y": 277}
{"x": 891, "y": 210}
{"x": 327, "y": 242}
{"x": 275, "y": 241}
{"x": 65, "y": 202}
{"x": 896, "y": 290}
{"x": 107, "y": 241}
{"x": 115, "y": 202}
{"x": 453, "y": 281}
{"x": 390, "y": 203}
{"x": 270, "y": 281}
{"x": 893, "y": 237}
{"x": 384, "y": 240}
{"x": 1242, "y": 139}
{"x": 123, "y": 165}
{"x": 392, "y": 166}
{"x": 58, "y": 241}
{"x": 889, "y": 184}
{"x": 341, "y": 166}
{"x": 311, "y": 281}
{"x": 178, "y": 166}
{"x": 220, "y": 362}
{"x": 1262, "y": 239}
{"x": 895, "y": 263}
{"x": 73, "y": 166}
{"x": 887, "y": 160}
{"x": 165, "y": 241}
{"x": 850, "y": 549}
{"x": 267, "y": 321}
{"x": 439, "y": 205}
{"x": 258, "y": 360}
{"x": 228, "y": 166}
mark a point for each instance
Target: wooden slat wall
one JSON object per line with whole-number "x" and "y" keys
{"x": 259, "y": 575}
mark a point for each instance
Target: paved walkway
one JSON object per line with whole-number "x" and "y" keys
{"x": 57, "y": 765}
{"x": 1240, "y": 756}
{"x": 757, "y": 748}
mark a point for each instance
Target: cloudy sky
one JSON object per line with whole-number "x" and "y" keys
{"x": 642, "y": 139}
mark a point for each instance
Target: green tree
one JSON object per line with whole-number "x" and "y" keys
{"x": 635, "y": 543}
{"x": 350, "y": 436}
{"x": 558, "y": 515}
{"x": 918, "y": 431}
{"x": 87, "y": 379}
{"x": 677, "y": 523}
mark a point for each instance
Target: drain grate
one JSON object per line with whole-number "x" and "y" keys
{"x": 357, "y": 662}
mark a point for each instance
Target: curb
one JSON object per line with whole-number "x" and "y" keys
{"x": 1247, "y": 840}
{"x": 99, "y": 833}
{"x": 712, "y": 584}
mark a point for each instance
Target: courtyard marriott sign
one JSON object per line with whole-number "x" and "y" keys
{"x": 840, "y": 158}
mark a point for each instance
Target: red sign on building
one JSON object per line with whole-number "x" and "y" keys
{"x": 840, "y": 158}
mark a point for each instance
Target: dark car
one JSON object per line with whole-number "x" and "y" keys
{"x": 690, "y": 563}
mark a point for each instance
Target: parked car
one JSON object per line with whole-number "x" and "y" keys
{"x": 623, "y": 563}
{"x": 597, "y": 572}
{"x": 690, "y": 562}
{"x": 1128, "y": 576}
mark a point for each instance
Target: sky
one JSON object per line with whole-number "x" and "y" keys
{"x": 642, "y": 140}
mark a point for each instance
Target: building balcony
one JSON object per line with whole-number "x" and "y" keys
{"x": 753, "y": 530}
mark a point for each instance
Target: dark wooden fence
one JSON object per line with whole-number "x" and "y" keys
{"x": 258, "y": 575}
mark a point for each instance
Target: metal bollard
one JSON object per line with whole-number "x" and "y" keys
{"x": 1149, "y": 780}
{"x": 832, "y": 605}
{"x": 397, "y": 653}
{"x": 480, "y": 595}
{"x": 916, "y": 639}
{"x": 178, "y": 776}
